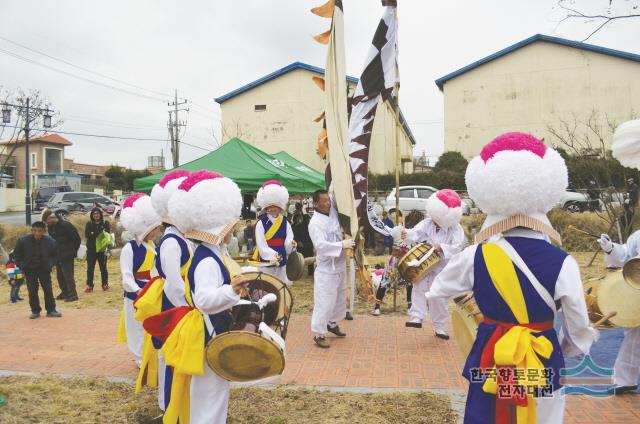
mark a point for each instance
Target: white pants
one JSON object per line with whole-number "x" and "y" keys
{"x": 437, "y": 307}
{"x": 627, "y": 367}
{"x": 161, "y": 378}
{"x": 209, "y": 398}
{"x": 550, "y": 410}
{"x": 329, "y": 300}
{"x": 135, "y": 332}
{"x": 280, "y": 272}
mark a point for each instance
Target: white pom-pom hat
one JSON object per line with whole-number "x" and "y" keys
{"x": 516, "y": 175}
{"x": 206, "y": 206}
{"x": 444, "y": 208}
{"x": 273, "y": 193}
{"x": 626, "y": 144}
{"x": 138, "y": 216}
{"x": 165, "y": 188}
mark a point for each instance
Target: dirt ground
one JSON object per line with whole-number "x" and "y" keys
{"x": 302, "y": 290}
{"x": 54, "y": 400}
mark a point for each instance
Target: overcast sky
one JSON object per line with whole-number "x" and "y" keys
{"x": 206, "y": 48}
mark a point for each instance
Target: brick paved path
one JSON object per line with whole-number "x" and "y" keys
{"x": 378, "y": 352}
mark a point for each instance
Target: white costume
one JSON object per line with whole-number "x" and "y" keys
{"x": 330, "y": 276}
{"x": 517, "y": 278}
{"x": 273, "y": 193}
{"x": 451, "y": 240}
{"x": 627, "y": 367}
{"x": 136, "y": 262}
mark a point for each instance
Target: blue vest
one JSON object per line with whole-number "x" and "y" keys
{"x": 184, "y": 258}
{"x": 545, "y": 262}
{"x": 222, "y": 320}
{"x": 139, "y": 255}
{"x": 278, "y": 239}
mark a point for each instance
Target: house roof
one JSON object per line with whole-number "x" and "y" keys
{"x": 274, "y": 75}
{"x": 289, "y": 68}
{"x": 45, "y": 138}
{"x": 538, "y": 37}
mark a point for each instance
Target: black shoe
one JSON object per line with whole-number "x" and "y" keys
{"x": 624, "y": 389}
{"x": 61, "y": 296}
{"x": 442, "y": 335}
{"x": 409, "y": 305}
{"x": 349, "y": 317}
{"x": 413, "y": 324}
{"x": 71, "y": 299}
{"x": 19, "y": 298}
{"x": 336, "y": 330}
{"x": 34, "y": 315}
{"x": 54, "y": 314}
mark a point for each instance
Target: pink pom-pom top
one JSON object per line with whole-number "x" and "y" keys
{"x": 196, "y": 177}
{"x": 270, "y": 182}
{"x": 129, "y": 201}
{"x": 178, "y": 173}
{"x": 513, "y": 141}
{"x": 449, "y": 198}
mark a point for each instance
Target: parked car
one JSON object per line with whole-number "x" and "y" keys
{"x": 41, "y": 196}
{"x": 411, "y": 198}
{"x": 574, "y": 202}
{"x": 78, "y": 201}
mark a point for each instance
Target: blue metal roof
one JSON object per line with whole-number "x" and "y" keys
{"x": 289, "y": 68}
{"x": 274, "y": 75}
{"x": 538, "y": 37}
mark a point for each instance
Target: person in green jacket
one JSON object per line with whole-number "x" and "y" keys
{"x": 96, "y": 232}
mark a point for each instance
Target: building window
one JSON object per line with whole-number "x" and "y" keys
{"x": 34, "y": 161}
{"x": 53, "y": 160}
{"x": 260, "y": 108}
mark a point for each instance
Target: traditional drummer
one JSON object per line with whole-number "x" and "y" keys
{"x": 443, "y": 232}
{"x": 518, "y": 277}
{"x": 273, "y": 233}
{"x": 206, "y": 206}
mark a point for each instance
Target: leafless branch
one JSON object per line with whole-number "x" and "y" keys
{"x": 573, "y": 13}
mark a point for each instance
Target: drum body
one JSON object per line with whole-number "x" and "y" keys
{"x": 612, "y": 295}
{"x": 417, "y": 263}
{"x": 253, "y": 349}
{"x": 465, "y": 318}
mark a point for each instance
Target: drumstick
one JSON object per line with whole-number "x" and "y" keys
{"x": 605, "y": 318}
{"x": 571, "y": 227}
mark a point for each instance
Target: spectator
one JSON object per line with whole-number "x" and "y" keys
{"x": 301, "y": 235}
{"x": 67, "y": 243}
{"x": 630, "y": 204}
{"x": 249, "y": 236}
{"x": 36, "y": 254}
{"x": 15, "y": 277}
{"x": 95, "y": 230}
{"x": 298, "y": 215}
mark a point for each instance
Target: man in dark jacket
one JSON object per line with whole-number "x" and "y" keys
{"x": 67, "y": 241}
{"x": 36, "y": 254}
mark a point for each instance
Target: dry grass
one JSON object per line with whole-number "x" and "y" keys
{"x": 91, "y": 400}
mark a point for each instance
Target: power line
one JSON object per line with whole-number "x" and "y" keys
{"x": 48, "y": 130}
{"x": 88, "y": 121}
{"x": 82, "y": 68}
{"x": 25, "y": 59}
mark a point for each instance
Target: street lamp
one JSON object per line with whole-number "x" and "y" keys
{"x": 46, "y": 118}
{"x": 6, "y": 114}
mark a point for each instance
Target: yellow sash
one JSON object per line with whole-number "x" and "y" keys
{"x": 519, "y": 347}
{"x": 268, "y": 235}
{"x": 122, "y": 330}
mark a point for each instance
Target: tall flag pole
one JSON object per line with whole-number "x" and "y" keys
{"x": 379, "y": 81}
{"x": 334, "y": 137}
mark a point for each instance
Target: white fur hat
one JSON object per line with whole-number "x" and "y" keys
{"x": 273, "y": 193}
{"x": 162, "y": 191}
{"x": 205, "y": 202}
{"x": 626, "y": 144}
{"x": 138, "y": 216}
{"x": 516, "y": 174}
{"x": 444, "y": 208}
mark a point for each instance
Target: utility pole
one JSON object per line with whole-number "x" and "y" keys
{"x": 174, "y": 128}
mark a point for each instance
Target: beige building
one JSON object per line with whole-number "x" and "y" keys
{"x": 276, "y": 113}
{"x": 540, "y": 85}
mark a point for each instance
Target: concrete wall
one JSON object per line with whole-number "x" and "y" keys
{"x": 11, "y": 200}
{"x": 292, "y": 102}
{"x": 39, "y": 149}
{"x": 535, "y": 87}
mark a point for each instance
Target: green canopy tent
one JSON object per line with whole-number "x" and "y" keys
{"x": 300, "y": 166}
{"x": 247, "y": 166}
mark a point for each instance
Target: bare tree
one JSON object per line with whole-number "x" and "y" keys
{"x": 577, "y": 10}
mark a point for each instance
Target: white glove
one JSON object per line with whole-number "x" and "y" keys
{"x": 266, "y": 299}
{"x": 605, "y": 243}
{"x": 348, "y": 244}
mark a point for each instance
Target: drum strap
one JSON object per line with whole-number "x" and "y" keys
{"x": 522, "y": 266}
